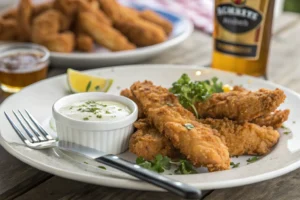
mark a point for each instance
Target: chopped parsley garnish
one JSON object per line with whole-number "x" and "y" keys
{"x": 189, "y": 92}
{"x": 286, "y": 132}
{"x": 189, "y": 126}
{"x": 102, "y": 167}
{"x": 107, "y": 112}
{"x": 119, "y": 109}
{"x": 86, "y": 118}
{"x": 88, "y": 86}
{"x": 284, "y": 127}
{"x": 79, "y": 109}
{"x": 162, "y": 163}
{"x": 99, "y": 116}
{"x": 252, "y": 160}
{"x": 85, "y": 162}
{"x": 185, "y": 167}
{"x": 71, "y": 107}
{"x": 234, "y": 165}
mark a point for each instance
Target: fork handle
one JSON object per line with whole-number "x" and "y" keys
{"x": 170, "y": 185}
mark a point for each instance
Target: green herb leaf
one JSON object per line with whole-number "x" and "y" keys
{"x": 102, "y": 167}
{"x": 189, "y": 92}
{"x": 253, "y": 159}
{"x": 185, "y": 167}
{"x": 189, "y": 126}
{"x": 162, "y": 163}
{"x": 86, "y": 118}
{"x": 286, "y": 132}
{"x": 85, "y": 162}
{"x": 88, "y": 86}
{"x": 99, "y": 116}
{"x": 234, "y": 165}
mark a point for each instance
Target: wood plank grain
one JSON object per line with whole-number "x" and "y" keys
{"x": 17, "y": 177}
{"x": 283, "y": 188}
{"x": 60, "y": 188}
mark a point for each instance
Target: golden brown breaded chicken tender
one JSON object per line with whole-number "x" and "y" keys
{"x": 45, "y": 31}
{"x": 84, "y": 43}
{"x": 104, "y": 34}
{"x": 193, "y": 139}
{"x": 240, "y": 106}
{"x": 153, "y": 17}
{"x": 24, "y": 14}
{"x": 63, "y": 42}
{"x": 141, "y": 32}
{"x": 246, "y": 138}
{"x": 8, "y": 29}
{"x": 148, "y": 142}
{"x": 274, "y": 120}
{"x": 84, "y": 6}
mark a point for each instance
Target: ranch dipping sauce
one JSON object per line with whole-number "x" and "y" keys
{"x": 96, "y": 111}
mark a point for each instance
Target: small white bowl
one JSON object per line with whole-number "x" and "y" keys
{"x": 107, "y": 136}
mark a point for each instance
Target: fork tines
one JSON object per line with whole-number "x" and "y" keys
{"x": 36, "y": 136}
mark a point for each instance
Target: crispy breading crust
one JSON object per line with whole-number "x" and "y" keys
{"x": 170, "y": 118}
{"x": 240, "y": 106}
{"x": 8, "y": 29}
{"x": 148, "y": 142}
{"x": 84, "y": 43}
{"x": 246, "y": 138}
{"x": 274, "y": 120}
{"x": 24, "y": 20}
{"x": 153, "y": 17}
{"x": 104, "y": 34}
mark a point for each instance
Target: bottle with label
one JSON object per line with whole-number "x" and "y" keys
{"x": 242, "y": 33}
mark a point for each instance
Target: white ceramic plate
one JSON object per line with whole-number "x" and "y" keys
{"x": 182, "y": 28}
{"x": 38, "y": 99}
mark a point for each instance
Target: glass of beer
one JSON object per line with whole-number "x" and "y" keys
{"x": 242, "y": 33}
{"x": 22, "y": 64}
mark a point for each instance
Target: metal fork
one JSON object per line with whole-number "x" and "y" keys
{"x": 37, "y": 138}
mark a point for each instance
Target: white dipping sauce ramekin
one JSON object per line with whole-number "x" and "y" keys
{"x": 107, "y": 136}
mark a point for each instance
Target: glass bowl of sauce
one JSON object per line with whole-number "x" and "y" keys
{"x": 21, "y": 65}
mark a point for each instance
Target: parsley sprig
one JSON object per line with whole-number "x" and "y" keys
{"x": 162, "y": 163}
{"x": 189, "y": 92}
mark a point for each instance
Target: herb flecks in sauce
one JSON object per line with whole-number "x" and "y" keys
{"x": 96, "y": 110}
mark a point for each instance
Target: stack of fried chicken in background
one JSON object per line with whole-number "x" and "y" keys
{"x": 65, "y": 25}
{"x": 238, "y": 122}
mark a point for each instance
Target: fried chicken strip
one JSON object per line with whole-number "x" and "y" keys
{"x": 104, "y": 34}
{"x": 148, "y": 142}
{"x": 240, "y": 106}
{"x": 241, "y": 139}
{"x": 246, "y": 138}
{"x": 141, "y": 32}
{"x": 136, "y": 29}
{"x": 84, "y": 43}
{"x": 8, "y": 29}
{"x": 274, "y": 120}
{"x": 198, "y": 142}
{"x": 127, "y": 93}
{"x": 45, "y": 31}
{"x": 153, "y": 17}
{"x": 24, "y": 14}
{"x": 84, "y": 6}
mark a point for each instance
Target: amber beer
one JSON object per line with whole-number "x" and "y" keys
{"x": 242, "y": 33}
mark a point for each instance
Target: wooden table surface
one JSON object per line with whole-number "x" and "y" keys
{"x": 21, "y": 181}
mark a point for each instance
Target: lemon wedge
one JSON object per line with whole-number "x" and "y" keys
{"x": 80, "y": 82}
